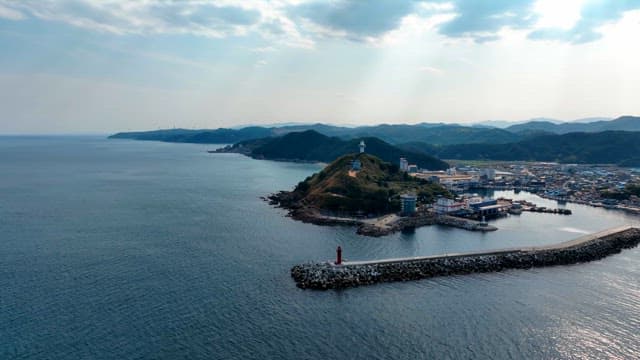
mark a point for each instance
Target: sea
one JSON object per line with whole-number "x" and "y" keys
{"x": 122, "y": 249}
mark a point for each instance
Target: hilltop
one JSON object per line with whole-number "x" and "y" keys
{"x": 336, "y": 190}
{"x": 312, "y": 146}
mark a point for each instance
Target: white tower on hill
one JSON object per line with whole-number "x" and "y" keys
{"x": 362, "y": 146}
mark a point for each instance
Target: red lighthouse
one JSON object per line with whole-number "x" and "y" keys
{"x": 338, "y": 255}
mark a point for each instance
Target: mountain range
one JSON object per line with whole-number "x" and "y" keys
{"x": 623, "y": 123}
{"x": 430, "y": 133}
{"x": 607, "y": 147}
{"x": 600, "y": 141}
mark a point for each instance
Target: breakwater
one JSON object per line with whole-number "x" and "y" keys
{"x": 326, "y": 275}
{"x": 422, "y": 219}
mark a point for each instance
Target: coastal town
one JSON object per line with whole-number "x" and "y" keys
{"x": 605, "y": 186}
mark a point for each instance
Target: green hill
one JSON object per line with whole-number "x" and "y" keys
{"x": 623, "y": 123}
{"x": 608, "y": 147}
{"x": 312, "y": 146}
{"x": 217, "y": 136}
{"x": 442, "y": 134}
{"x": 375, "y": 189}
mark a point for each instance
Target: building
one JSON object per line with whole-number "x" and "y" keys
{"x": 404, "y": 164}
{"x": 356, "y": 165}
{"x": 446, "y": 206}
{"x": 412, "y": 169}
{"x": 408, "y": 204}
{"x": 488, "y": 174}
{"x": 476, "y": 203}
{"x": 455, "y": 183}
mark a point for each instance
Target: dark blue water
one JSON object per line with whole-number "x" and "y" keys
{"x": 115, "y": 249}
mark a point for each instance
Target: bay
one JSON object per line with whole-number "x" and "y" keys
{"x": 115, "y": 249}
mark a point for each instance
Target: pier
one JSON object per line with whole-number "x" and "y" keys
{"x": 329, "y": 275}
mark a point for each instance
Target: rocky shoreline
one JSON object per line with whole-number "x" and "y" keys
{"x": 297, "y": 211}
{"x": 327, "y": 275}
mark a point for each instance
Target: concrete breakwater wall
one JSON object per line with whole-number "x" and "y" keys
{"x": 419, "y": 220}
{"x": 326, "y": 275}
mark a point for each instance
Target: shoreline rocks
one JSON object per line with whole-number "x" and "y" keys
{"x": 297, "y": 211}
{"x": 326, "y": 275}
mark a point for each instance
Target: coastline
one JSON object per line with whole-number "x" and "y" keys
{"x": 629, "y": 210}
{"x": 382, "y": 225}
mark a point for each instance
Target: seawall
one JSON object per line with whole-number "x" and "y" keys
{"x": 424, "y": 219}
{"x": 327, "y": 275}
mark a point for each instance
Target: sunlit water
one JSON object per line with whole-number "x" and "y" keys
{"x": 114, "y": 249}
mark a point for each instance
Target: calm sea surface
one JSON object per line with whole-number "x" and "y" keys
{"x": 113, "y": 249}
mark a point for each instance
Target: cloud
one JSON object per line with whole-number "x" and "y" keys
{"x": 11, "y": 14}
{"x": 593, "y": 15}
{"x": 481, "y": 20}
{"x": 148, "y": 17}
{"x": 300, "y": 23}
{"x": 430, "y": 70}
{"x": 356, "y": 20}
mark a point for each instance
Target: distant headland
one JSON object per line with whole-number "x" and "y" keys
{"x": 614, "y": 141}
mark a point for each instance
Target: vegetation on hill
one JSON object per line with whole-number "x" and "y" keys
{"x": 435, "y": 133}
{"x": 430, "y": 133}
{"x": 631, "y": 189}
{"x": 218, "y": 136}
{"x": 609, "y": 147}
{"x": 375, "y": 189}
{"x": 623, "y": 123}
{"x": 440, "y": 134}
{"x": 313, "y": 146}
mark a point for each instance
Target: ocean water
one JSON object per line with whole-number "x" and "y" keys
{"x": 116, "y": 249}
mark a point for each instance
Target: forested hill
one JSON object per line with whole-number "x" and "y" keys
{"x": 430, "y": 133}
{"x": 312, "y": 146}
{"x": 374, "y": 189}
{"x": 608, "y": 147}
{"x": 217, "y": 136}
{"x": 623, "y": 123}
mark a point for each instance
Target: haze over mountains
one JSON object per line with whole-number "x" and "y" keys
{"x": 430, "y": 133}
{"x": 600, "y": 141}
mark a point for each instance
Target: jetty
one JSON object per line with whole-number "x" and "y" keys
{"x": 344, "y": 274}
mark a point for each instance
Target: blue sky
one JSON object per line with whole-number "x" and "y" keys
{"x": 110, "y": 65}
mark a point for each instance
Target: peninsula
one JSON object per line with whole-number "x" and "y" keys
{"x": 376, "y": 196}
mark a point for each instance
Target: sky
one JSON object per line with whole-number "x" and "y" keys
{"x": 103, "y": 66}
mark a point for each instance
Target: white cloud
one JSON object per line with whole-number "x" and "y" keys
{"x": 11, "y": 14}
{"x": 264, "y": 49}
{"x": 218, "y": 19}
{"x": 300, "y": 23}
{"x": 431, "y": 70}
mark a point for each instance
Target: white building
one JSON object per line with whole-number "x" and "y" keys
{"x": 404, "y": 164}
{"x": 446, "y": 206}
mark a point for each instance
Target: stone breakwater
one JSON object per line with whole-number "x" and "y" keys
{"x": 424, "y": 219}
{"x": 326, "y": 275}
